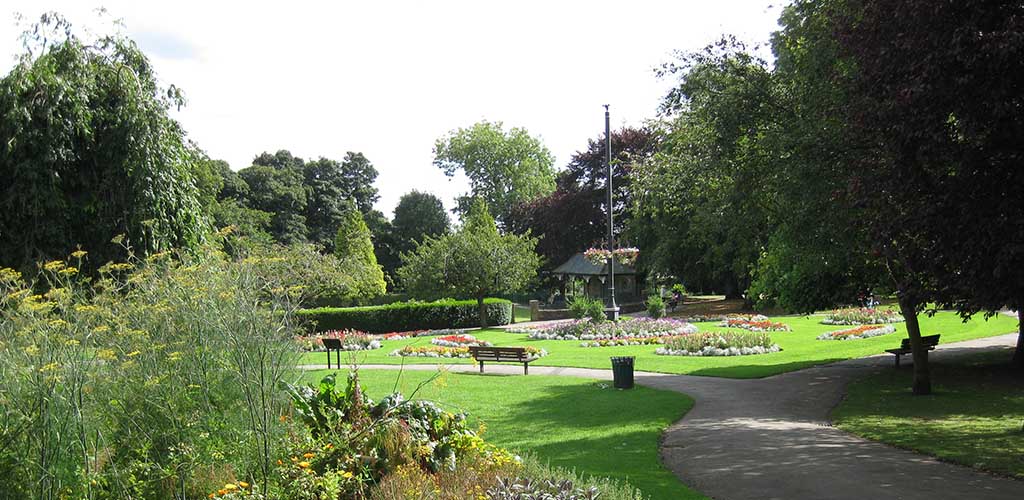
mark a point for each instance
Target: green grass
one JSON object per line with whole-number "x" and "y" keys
{"x": 522, "y": 313}
{"x": 570, "y": 422}
{"x": 974, "y": 416}
{"x": 800, "y": 349}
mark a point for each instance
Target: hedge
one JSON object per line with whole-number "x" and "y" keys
{"x": 407, "y": 316}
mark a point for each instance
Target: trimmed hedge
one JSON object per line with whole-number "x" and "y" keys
{"x": 407, "y": 316}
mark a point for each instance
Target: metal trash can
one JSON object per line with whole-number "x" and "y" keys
{"x": 622, "y": 370}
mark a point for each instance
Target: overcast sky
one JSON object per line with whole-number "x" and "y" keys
{"x": 388, "y": 78}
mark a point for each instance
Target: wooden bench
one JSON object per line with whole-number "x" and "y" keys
{"x": 929, "y": 341}
{"x": 501, "y": 355}
{"x": 332, "y": 344}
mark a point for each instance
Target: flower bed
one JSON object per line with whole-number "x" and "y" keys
{"x": 860, "y": 332}
{"x": 861, "y": 316}
{"x": 621, "y": 341}
{"x": 431, "y": 352}
{"x": 718, "y": 344}
{"x": 420, "y": 333}
{"x": 452, "y": 352}
{"x": 459, "y": 341}
{"x": 627, "y": 328}
{"x": 756, "y": 323}
{"x": 351, "y": 340}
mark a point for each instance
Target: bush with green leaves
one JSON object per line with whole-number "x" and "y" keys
{"x": 153, "y": 379}
{"x": 655, "y": 306}
{"x": 582, "y": 306}
{"x": 407, "y": 316}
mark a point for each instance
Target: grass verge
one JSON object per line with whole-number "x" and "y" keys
{"x": 800, "y": 349}
{"x": 570, "y": 422}
{"x": 974, "y": 417}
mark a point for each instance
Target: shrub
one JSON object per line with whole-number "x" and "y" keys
{"x": 406, "y": 316}
{"x": 585, "y": 307}
{"x": 679, "y": 288}
{"x": 655, "y": 306}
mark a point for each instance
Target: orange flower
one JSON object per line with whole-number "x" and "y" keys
{"x": 308, "y": 455}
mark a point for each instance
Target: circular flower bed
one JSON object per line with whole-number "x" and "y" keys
{"x": 860, "y": 332}
{"x": 755, "y": 323}
{"x": 620, "y": 341}
{"x": 718, "y": 344}
{"x": 626, "y": 328}
{"x": 451, "y": 352}
{"x": 351, "y": 340}
{"x": 420, "y": 333}
{"x": 431, "y": 352}
{"x": 861, "y": 316}
{"x": 459, "y": 341}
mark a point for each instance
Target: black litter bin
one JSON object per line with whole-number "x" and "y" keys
{"x": 622, "y": 369}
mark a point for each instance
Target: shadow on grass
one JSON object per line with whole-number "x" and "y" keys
{"x": 761, "y": 371}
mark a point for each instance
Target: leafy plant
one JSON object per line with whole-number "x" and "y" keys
{"x": 655, "y": 306}
{"x": 585, "y": 307}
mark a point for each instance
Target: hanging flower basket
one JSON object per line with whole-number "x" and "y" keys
{"x": 599, "y": 256}
{"x": 627, "y": 256}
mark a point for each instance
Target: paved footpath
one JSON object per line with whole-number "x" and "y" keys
{"x": 770, "y": 438}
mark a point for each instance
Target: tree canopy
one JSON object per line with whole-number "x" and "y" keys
{"x": 503, "y": 168}
{"x": 90, "y": 152}
{"x": 476, "y": 261}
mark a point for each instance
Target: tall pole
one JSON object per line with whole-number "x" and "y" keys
{"x": 613, "y": 309}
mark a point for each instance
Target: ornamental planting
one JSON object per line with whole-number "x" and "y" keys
{"x": 859, "y": 332}
{"x": 861, "y": 316}
{"x": 718, "y": 344}
{"x": 627, "y": 328}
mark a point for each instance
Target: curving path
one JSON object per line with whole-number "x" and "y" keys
{"x": 770, "y": 438}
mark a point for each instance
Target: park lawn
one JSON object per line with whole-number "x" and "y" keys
{"x": 800, "y": 349}
{"x": 570, "y": 422}
{"x": 974, "y": 416}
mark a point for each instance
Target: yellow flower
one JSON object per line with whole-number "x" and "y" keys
{"x": 32, "y": 350}
{"x": 346, "y": 475}
{"x": 71, "y": 342}
{"x": 57, "y": 323}
{"x": 54, "y": 265}
{"x": 8, "y": 274}
{"x": 49, "y": 367}
{"x": 243, "y": 484}
{"x": 106, "y": 354}
{"x": 308, "y": 455}
{"x": 133, "y": 354}
{"x": 78, "y": 254}
{"x": 230, "y": 487}
{"x": 101, "y": 329}
{"x": 222, "y": 492}
{"x": 303, "y": 465}
{"x": 69, "y": 271}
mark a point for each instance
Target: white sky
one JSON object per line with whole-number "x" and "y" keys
{"x": 389, "y": 77}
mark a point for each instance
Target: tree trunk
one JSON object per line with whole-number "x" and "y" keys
{"x": 922, "y": 376}
{"x": 1018, "y": 354}
{"x": 483, "y": 312}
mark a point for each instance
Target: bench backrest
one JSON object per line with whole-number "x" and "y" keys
{"x": 927, "y": 341}
{"x": 332, "y": 343}
{"x": 498, "y": 353}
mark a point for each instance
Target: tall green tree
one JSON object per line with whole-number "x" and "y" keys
{"x": 475, "y": 262}
{"x": 89, "y": 151}
{"x": 278, "y": 190}
{"x": 417, "y": 216}
{"x": 353, "y": 243}
{"x": 504, "y": 168}
{"x": 574, "y": 217}
{"x": 939, "y": 106}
